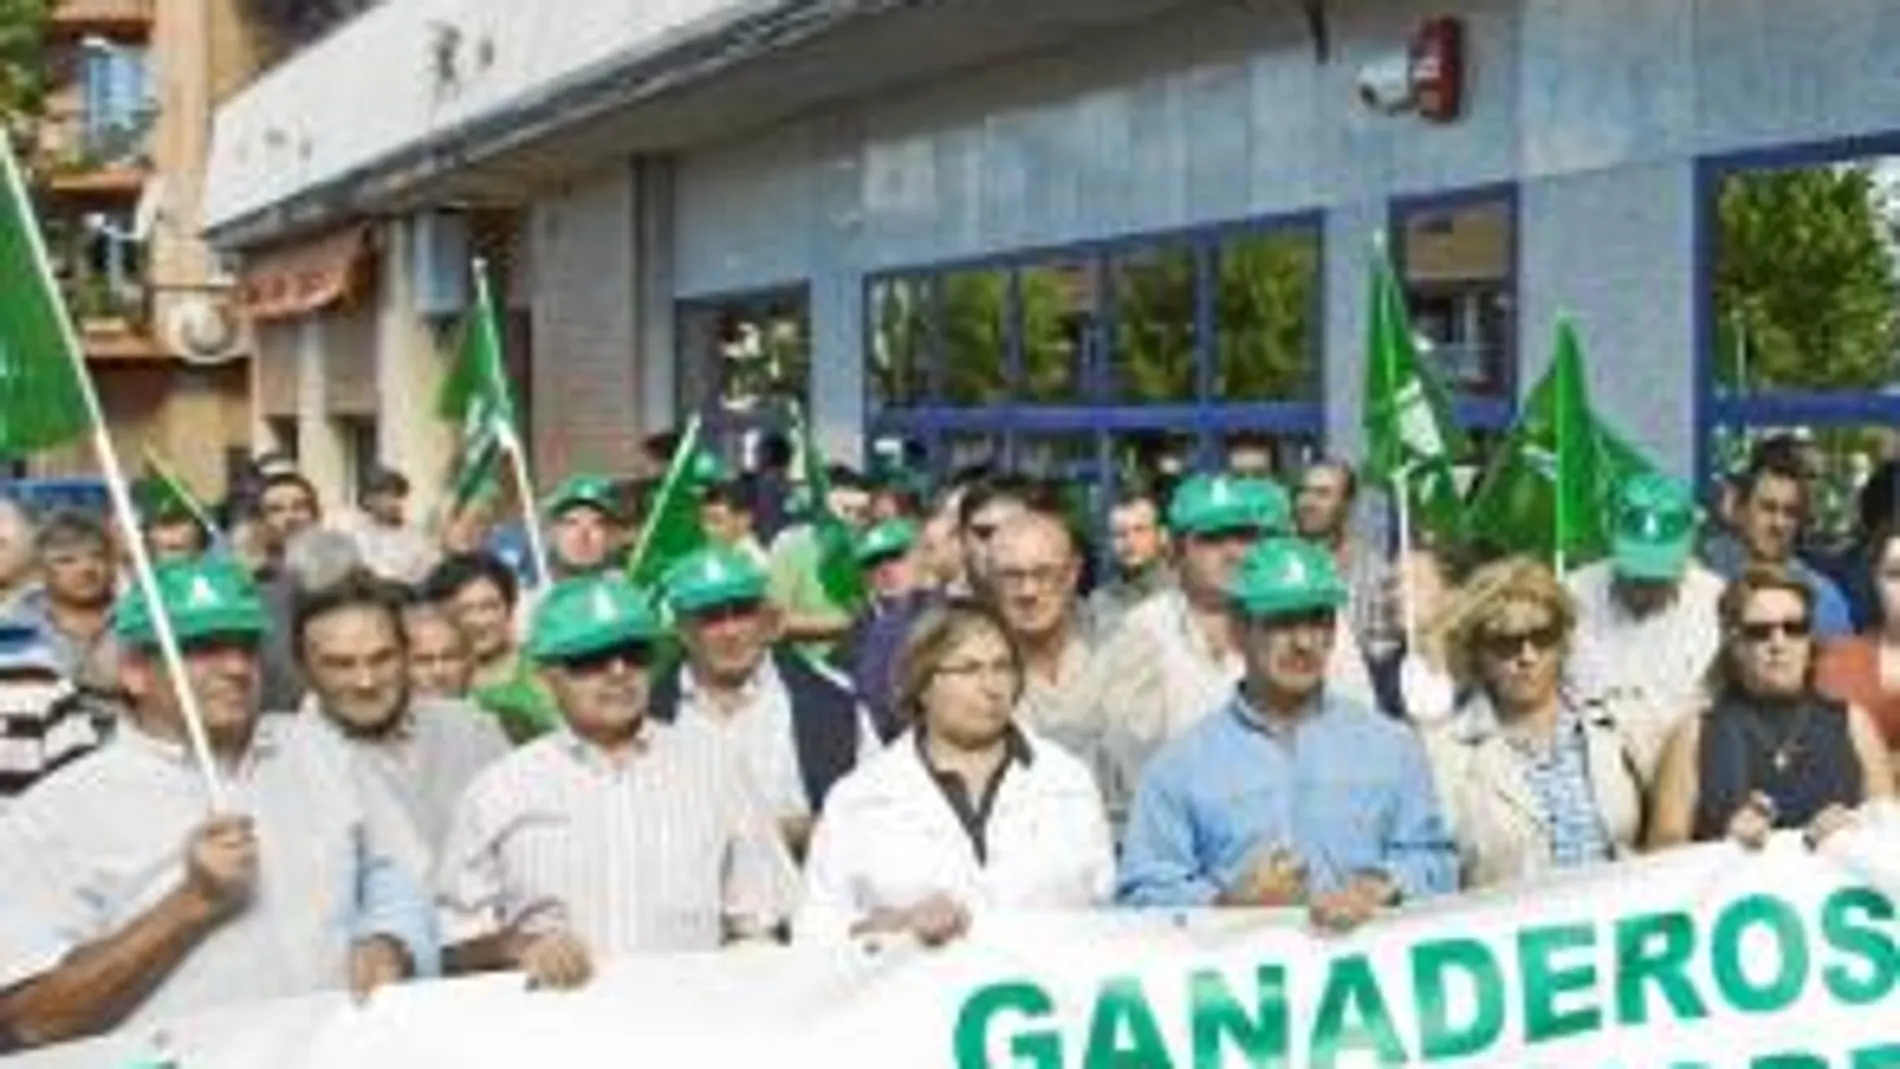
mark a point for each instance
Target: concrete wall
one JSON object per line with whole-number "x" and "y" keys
{"x": 1597, "y": 111}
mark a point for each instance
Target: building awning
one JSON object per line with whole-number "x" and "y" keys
{"x": 305, "y": 278}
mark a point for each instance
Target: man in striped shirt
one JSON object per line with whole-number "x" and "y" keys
{"x": 615, "y": 834}
{"x": 44, "y": 721}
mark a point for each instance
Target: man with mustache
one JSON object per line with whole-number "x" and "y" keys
{"x": 1288, "y": 796}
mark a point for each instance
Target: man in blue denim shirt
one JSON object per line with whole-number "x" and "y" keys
{"x": 1288, "y": 796}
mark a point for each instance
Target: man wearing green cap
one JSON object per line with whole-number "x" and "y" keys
{"x": 799, "y": 726}
{"x": 617, "y": 834}
{"x": 1287, "y": 796}
{"x": 1177, "y": 656}
{"x": 108, "y": 923}
{"x": 1647, "y": 626}
{"x": 585, "y": 525}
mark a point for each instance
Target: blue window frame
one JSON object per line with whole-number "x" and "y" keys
{"x": 1456, "y": 254}
{"x": 1757, "y": 370}
{"x": 1075, "y": 361}
{"x": 741, "y": 357}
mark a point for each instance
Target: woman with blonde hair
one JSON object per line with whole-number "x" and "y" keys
{"x": 1530, "y": 780}
{"x": 967, "y": 813}
{"x": 1771, "y": 751}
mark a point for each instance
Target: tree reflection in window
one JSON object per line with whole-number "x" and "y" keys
{"x": 1264, "y": 317}
{"x": 975, "y": 366}
{"x": 1153, "y": 352}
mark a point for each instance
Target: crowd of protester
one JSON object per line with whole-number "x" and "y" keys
{"x": 430, "y": 759}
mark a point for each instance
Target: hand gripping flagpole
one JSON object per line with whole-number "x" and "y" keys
{"x": 199, "y": 739}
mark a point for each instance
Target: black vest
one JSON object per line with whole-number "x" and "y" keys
{"x": 824, "y": 720}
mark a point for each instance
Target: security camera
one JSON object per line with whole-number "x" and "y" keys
{"x": 1385, "y": 84}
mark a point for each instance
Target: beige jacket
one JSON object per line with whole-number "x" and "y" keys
{"x": 1496, "y": 819}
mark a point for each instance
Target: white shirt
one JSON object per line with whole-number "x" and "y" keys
{"x": 401, "y": 554}
{"x": 427, "y": 761}
{"x": 761, "y": 731}
{"x": 659, "y": 852}
{"x": 99, "y": 843}
{"x": 1649, "y": 671}
{"x": 890, "y": 838}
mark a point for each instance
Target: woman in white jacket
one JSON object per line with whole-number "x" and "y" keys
{"x": 968, "y": 813}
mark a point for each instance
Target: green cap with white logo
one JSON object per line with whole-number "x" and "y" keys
{"x": 1285, "y": 576}
{"x": 590, "y": 614}
{"x": 712, "y": 578}
{"x": 576, "y": 491}
{"x": 1655, "y": 529}
{"x": 1216, "y": 504}
{"x": 204, "y": 597}
{"x": 887, "y": 539}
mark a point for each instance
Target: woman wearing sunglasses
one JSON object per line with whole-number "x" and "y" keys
{"x": 1771, "y": 751}
{"x": 1531, "y": 781}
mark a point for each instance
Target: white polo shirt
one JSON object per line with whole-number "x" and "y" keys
{"x": 102, "y": 841}
{"x": 890, "y": 838}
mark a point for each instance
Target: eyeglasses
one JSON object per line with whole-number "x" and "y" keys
{"x": 970, "y": 669}
{"x": 1760, "y": 631}
{"x": 629, "y": 655}
{"x": 1503, "y": 644}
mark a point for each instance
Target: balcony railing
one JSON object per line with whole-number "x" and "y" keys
{"x": 116, "y": 19}
{"x": 82, "y": 153}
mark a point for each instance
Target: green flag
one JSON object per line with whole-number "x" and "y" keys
{"x": 672, "y": 529}
{"x": 1542, "y": 494}
{"x": 475, "y": 396}
{"x": 1410, "y": 435}
{"x": 838, "y": 571}
{"x": 161, "y": 494}
{"x": 42, "y": 398}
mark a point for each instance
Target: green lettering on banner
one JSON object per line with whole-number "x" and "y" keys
{"x": 1219, "y": 1019}
{"x": 1883, "y": 1057}
{"x": 1789, "y": 1061}
{"x": 1123, "y": 1003}
{"x": 1353, "y": 1016}
{"x": 1779, "y": 918}
{"x": 1039, "y": 1048}
{"x": 1864, "y": 940}
{"x": 1440, "y": 1036}
{"x": 1545, "y": 982}
{"x": 1639, "y": 964}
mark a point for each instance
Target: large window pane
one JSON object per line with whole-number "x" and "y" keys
{"x": 900, "y": 341}
{"x": 1266, "y": 337}
{"x": 1804, "y": 279}
{"x": 975, "y": 358}
{"x": 1459, "y": 282}
{"x": 1058, "y": 314}
{"x": 1152, "y": 357}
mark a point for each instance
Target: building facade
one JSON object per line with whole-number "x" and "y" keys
{"x": 1078, "y": 236}
{"x": 119, "y": 167}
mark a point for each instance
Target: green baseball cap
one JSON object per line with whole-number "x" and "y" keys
{"x": 711, "y": 578}
{"x": 202, "y": 597}
{"x": 1654, "y": 530}
{"x": 1210, "y": 504}
{"x": 707, "y": 469}
{"x": 593, "y": 491}
{"x": 886, "y": 539}
{"x": 1283, "y": 576}
{"x": 589, "y": 614}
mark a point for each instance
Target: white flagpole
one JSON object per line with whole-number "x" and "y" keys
{"x": 530, "y": 505}
{"x": 199, "y": 739}
{"x": 1408, "y": 602}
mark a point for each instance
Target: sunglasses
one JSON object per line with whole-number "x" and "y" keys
{"x": 630, "y": 655}
{"x": 1503, "y": 644}
{"x": 1311, "y": 620}
{"x": 1759, "y": 631}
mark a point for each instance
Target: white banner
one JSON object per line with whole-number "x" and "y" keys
{"x": 1701, "y": 958}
